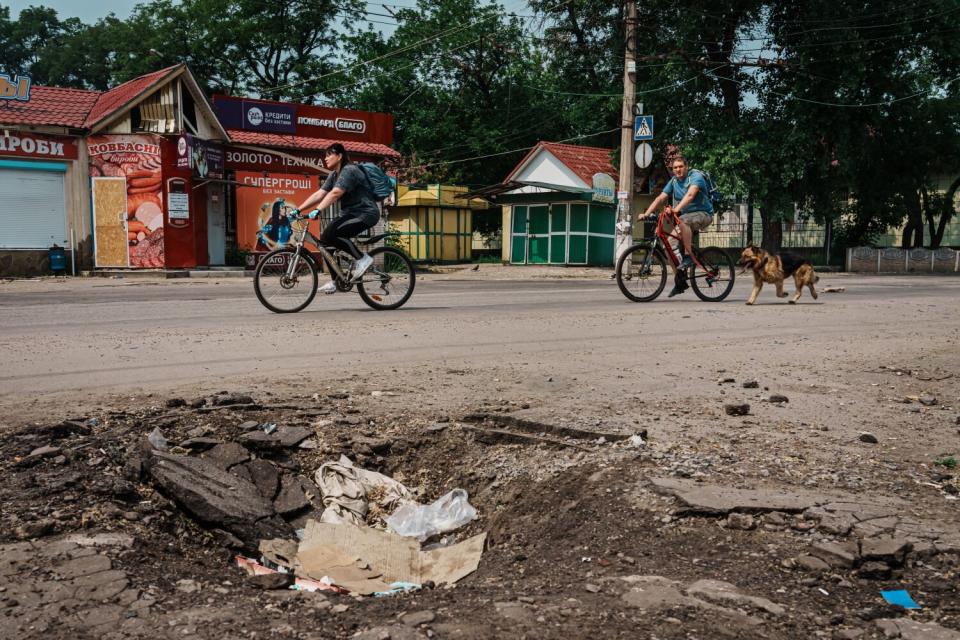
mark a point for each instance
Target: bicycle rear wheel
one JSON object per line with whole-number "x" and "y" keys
{"x": 714, "y": 282}
{"x": 389, "y": 282}
{"x": 641, "y": 273}
{"x": 279, "y": 292}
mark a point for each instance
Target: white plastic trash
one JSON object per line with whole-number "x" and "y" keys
{"x": 157, "y": 441}
{"x": 421, "y": 521}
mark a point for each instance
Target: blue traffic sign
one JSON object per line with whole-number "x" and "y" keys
{"x": 643, "y": 128}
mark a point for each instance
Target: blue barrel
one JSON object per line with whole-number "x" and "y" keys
{"x": 58, "y": 259}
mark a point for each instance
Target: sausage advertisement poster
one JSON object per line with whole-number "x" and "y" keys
{"x": 135, "y": 159}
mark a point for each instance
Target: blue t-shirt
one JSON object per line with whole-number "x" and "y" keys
{"x": 677, "y": 189}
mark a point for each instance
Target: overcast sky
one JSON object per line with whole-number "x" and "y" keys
{"x": 87, "y": 11}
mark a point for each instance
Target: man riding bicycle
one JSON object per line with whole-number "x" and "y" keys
{"x": 347, "y": 183}
{"x": 688, "y": 192}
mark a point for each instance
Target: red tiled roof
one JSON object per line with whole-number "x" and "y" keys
{"x": 583, "y": 161}
{"x": 312, "y": 144}
{"x": 50, "y": 106}
{"x": 117, "y": 97}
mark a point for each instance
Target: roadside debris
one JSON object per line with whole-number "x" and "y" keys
{"x": 834, "y": 289}
{"x": 736, "y": 409}
{"x": 899, "y": 597}
{"x": 351, "y": 494}
{"x": 157, "y": 440}
{"x": 448, "y": 513}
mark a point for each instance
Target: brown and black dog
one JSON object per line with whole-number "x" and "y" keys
{"x": 775, "y": 268}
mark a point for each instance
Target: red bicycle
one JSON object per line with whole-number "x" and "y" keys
{"x": 642, "y": 269}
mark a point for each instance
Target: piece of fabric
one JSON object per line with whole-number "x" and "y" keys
{"x": 677, "y": 189}
{"x": 339, "y": 232}
{"x": 358, "y": 198}
{"x": 350, "y": 493}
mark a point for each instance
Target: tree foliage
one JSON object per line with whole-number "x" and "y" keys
{"x": 850, "y": 111}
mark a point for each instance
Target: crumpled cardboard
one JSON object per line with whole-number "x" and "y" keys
{"x": 338, "y": 547}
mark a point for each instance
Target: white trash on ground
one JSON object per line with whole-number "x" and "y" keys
{"x": 349, "y": 491}
{"x": 448, "y": 513}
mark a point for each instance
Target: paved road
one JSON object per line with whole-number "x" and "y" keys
{"x": 93, "y": 336}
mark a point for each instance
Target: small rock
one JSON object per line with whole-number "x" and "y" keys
{"x": 36, "y": 529}
{"x": 736, "y": 409}
{"x": 775, "y": 518}
{"x": 913, "y": 409}
{"x": 751, "y": 384}
{"x": 928, "y": 401}
{"x": 874, "y": 571}
{"x": 741, "y": 521}
{"x": 174, "y": 403}
{"x": 635, "y": 441}
{"x": 188, "y": 586}
{"x": 198, "y": 402}
{"x": 592, "y": 588}
{"x": 848, "y": 634}
{"x": 726, "y": 380}
{"x": 339, "y": 608}
{"x": 249, "y": 425}
{"x": 778, "y": 398}
{"x": 836, "y": 555}
{"x": 272, "y": 581}
{"x": 811, "y": 563}
{"x": 891, "y": 551}
{"x": 868, "y": 438}
{"x": 232, "y": 399}
{"x": 417, "y": 618}
{"x": 45, "y": 452}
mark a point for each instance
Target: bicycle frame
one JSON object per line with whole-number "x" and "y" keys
{"x": 299, "y": 239}
{"x": 669, "y": 215}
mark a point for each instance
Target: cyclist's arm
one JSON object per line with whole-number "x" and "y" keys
{"x": 656, "y": 204}
{"x": 323, "y": 197}
{"x": 687, "y": 199}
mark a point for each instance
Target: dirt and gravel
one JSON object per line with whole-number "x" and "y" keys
{"x": 785, "y": 522}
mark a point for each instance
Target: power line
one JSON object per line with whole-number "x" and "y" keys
{"x": 503, "y": 153}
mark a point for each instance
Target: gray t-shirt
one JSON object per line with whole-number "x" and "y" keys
{"x": 358, "y": 199}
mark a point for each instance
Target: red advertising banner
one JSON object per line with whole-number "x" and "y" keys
{"x": 31, "y": 145}
{"x": 136, "y": 158}
{"x": 262, "y": 224}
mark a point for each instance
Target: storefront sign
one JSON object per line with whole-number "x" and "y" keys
{"x": 136, "y": 159}
{"x": 304, "y": 120}
{"x": 178, "y": 206}
{"x": 262, "y": 222}
{"x": 203, "y": 157}
{"x": 30, "y": 145}
{"x": 14, "y": 88}
{"x": 604, "y": 188}
{"x": 291, "y": 161}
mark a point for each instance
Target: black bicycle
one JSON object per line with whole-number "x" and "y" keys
{"x": 286, "y": 279}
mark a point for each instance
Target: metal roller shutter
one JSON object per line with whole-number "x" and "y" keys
{"x": 32, "y": 209}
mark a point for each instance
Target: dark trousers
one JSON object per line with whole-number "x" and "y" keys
{"x": 337, "y": 234}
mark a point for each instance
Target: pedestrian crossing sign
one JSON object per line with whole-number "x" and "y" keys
{"x": 643, "y": 128}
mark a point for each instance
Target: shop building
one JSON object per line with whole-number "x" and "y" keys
{"x": 125, "y": 178}
{"x": 43, "y": 176}
{"x": 275, "y": 156}
{"x": 434, "y": 223}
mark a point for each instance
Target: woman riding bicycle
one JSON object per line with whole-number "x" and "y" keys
{"x": 348, "y": 184}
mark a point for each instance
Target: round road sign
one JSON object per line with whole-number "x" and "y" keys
{"x": 644, "y": 155}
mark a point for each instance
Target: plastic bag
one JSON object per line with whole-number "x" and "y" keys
{"x": 157, "y": 440}
{"x": 420, "y": 521}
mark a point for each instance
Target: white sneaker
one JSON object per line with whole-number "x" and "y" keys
{"x": 361, "y": 266}
{"x": 330, "y": 288}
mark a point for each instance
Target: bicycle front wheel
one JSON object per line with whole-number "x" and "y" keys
{"x": 389, "y": 282}
{"x": 280, "y": 291}
{"x": 714, "y": 282}
{"x": 641, "y": 273}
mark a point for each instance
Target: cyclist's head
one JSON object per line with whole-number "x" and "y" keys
{"x": 334, "y": 153}
{"x": 678, "y": 166}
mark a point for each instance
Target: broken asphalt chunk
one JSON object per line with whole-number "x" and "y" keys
{"x": 282, "y": 438}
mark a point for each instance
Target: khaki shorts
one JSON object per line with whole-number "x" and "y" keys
{"x": 697, "y": 220}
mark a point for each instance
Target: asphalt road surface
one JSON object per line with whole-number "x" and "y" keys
{"x": 86, "y": 338}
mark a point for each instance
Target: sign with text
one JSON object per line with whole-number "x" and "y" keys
{"x": 32, "y": 145}
{"x": 309, "y": 121}
{"x": 15, "y": 87}
{"x": 604, "y": 188}
{"x": 262, "y": 223}
{"x": 203, "y": 157}
{"x": 263, "y": 160}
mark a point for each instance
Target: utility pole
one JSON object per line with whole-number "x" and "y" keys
{"x": 624, "y": 228}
